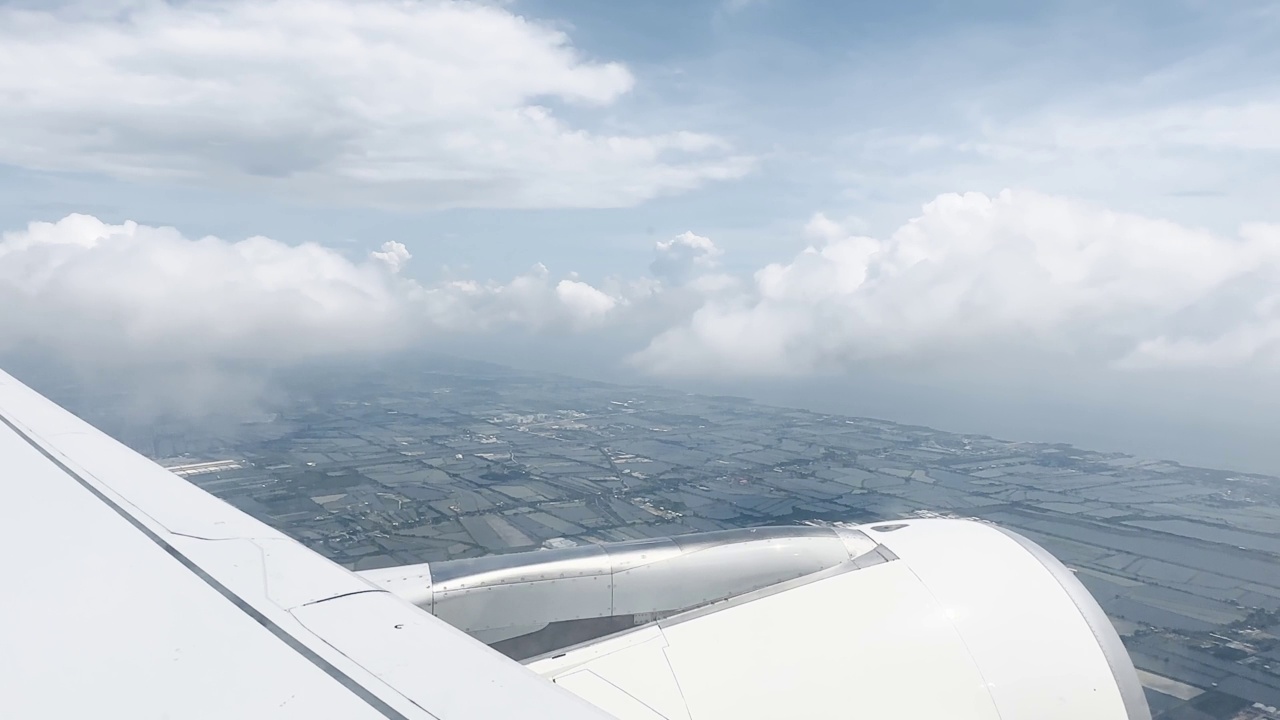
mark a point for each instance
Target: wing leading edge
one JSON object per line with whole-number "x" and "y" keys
{"x": 133, "y": 592}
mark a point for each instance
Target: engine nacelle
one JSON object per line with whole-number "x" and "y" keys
{"x": 910, "y": 618}
{"x": 567, "y": 595}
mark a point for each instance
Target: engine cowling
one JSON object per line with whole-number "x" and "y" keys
{"x": 911, "y": 618}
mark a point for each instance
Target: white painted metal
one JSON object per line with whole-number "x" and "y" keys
{"x": 645, "y": 656}
{"x": 130, "y": 593}
{"x": 966, "y": 623}
{"x": 96, "y": 619}
{"x": 1044, "y": 645}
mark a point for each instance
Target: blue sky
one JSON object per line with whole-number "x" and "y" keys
{"x": 1069, "y": 198}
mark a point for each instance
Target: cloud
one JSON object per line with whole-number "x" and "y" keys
{"x": 393, "y": 254}
{"x": 1240, "y": 346}
{"x": 533, "y": 301}
{"x": 407, "y": 104}
{"x": 1150, "y": 158}
{"x": 683, "y": 257}
{"x": 82, "y": 285}
{"x": 585, "y": 304}
{"x": 976, "y": 279}
{"x": 1240, "y": 125}
{"x": 979, "y": 276}
{"x": 1163, "y": 145}
{"x": 1101, "y": 105}
{"x": 133, "y": 294}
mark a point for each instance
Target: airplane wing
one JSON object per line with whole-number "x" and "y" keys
{"x": 129, "y": 592}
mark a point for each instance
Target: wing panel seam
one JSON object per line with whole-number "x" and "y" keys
{"x": 243, "y": 605}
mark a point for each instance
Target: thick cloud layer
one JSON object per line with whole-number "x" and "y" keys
{"x": 973, "y": 277}
{"x": 981, "y": 276}
{"x": 994, "y": 314}
{"x": 419, "y": 104}
{"x": 83, "y": 288}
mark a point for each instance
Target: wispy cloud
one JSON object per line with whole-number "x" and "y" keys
{"x": 420, "y": 105}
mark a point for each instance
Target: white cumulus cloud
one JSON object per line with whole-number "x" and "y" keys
{"x": 585, "y": 303}
{"x": 82, "y": 285}
{"x": 423, "y": 104}
{"x": 393, "y": 254}
{"x": 683, "y": 257}
{"x": 84, "y": 288}
{"x": 979, "y": 275}
{"x": 972, "y": 278}
{"x": 533, "y": 301}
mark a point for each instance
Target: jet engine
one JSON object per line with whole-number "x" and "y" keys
{"x": 912, "y": 618}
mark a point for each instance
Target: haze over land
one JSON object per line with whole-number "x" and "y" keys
{"x": 1053, "y": 222}
{"x": 425, "y": 281}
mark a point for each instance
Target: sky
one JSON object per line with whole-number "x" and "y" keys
{"x": 1051, "y": 221}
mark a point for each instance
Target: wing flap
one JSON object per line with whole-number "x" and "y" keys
{"x": 371, "y": 629}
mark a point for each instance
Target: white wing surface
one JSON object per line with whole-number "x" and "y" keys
{"x": 948, "y": 619}
{"x": 130, "y": 593}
